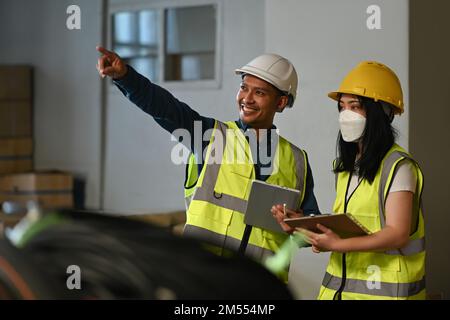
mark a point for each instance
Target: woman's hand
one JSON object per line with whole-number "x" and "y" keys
{"x": 278, "y": 214}
{"x": 321, "y": 242}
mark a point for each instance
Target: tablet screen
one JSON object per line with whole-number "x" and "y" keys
{"x": 263, "y": 196}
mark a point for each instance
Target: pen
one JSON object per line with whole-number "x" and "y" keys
{"x": 284, "y": 209}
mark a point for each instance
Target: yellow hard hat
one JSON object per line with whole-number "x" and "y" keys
{"x": 373, "y": 80}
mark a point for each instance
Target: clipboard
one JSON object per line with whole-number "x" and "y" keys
{"x": 263, "y": 196}
{"x": 345, "y": 224}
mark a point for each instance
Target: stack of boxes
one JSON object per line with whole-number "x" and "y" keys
{"x": 18, "y": 181}
{"x": 16, "y": 141}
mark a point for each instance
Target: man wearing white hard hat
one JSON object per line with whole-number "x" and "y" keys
{"x": 217, "y": 191}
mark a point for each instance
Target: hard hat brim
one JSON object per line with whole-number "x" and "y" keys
{"x": 259, "y": 74}
{"x": 335, "y": 96}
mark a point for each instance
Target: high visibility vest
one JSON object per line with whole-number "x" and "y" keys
{"x": 216, "y": 210}
{"x": 394, "y": 274}
{"x": 191, "y": 178}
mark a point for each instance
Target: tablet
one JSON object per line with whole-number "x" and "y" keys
{"x": 345, "y": 225}
{"x": 263, "y": 196}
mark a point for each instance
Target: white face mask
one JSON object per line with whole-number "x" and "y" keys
{"x": 352, "y": 125}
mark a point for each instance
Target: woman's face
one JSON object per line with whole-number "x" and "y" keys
{"x": 352, "y": 103}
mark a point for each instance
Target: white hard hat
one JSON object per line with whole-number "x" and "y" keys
{"x": 276, "y": 70}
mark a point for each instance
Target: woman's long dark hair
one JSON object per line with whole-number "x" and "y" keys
{"x": 378, "y": 137}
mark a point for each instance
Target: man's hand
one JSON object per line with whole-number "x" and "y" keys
{"x": 110, "y": 64}
{"x": 278, "y": 214}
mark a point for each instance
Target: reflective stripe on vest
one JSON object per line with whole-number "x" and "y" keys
{"x": 206, "y": 191}
{"x": 230, "y": 243}
{"x": 300, "y": 162}
{"x": 187, "y": 201}
{"x": 414, "y": 246}
{"x": 385, "y": 289}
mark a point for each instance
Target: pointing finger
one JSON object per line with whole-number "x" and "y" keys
{"x": 104, "y": 51}
{"x": 103, "y": 62}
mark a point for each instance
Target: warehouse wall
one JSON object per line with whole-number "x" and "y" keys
{"x": 430, "y": 130}
{"x": 66, "y": 84}
{"x": 325, "y": 39}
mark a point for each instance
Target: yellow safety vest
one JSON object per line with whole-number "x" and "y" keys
{"x": 395, "y": 274}
{"x": 191, "y": 178}
{"x": 219, "y": 200}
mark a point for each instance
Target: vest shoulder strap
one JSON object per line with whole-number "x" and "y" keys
{"x": 389, "y": 165}
{"x": 301, "y": 165}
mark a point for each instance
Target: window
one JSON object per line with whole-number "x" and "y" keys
{"x": 169, "y": 44}
{"x": 135, "y": 39}
{"x": 190, "y": 43}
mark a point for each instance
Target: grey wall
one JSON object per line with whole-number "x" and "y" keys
{"x": 325, "y": 39}
{"x": 430, "y": 130}
{"x": 67, "y": 88}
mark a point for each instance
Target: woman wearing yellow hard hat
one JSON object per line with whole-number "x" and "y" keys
{"x": 380, "y": 184}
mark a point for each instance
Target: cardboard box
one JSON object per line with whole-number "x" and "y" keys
{"x": 16, "y": 155}
{"x": 15, "y": 119}
{"x": 15, "y": 83}
{"x": 50, "y": 189}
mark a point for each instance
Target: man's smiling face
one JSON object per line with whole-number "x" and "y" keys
{"x": 258, "y": 101}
